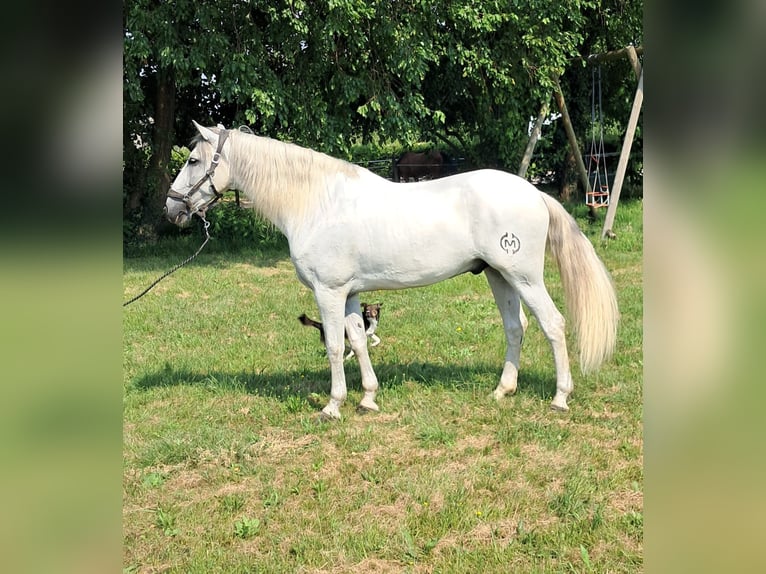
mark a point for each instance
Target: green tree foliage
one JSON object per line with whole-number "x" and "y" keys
{"x": 329, "y": 73}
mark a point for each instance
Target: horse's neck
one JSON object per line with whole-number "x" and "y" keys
{"x": 260, "y": 170}
{"x": 286, "y": 184}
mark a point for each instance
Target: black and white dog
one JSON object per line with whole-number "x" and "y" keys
{"x": 371, "y": 316}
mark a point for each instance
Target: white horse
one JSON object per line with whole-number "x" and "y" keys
{"x": 351, "y": 231}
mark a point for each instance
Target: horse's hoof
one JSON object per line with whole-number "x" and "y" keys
{"x": 559, "y": 408}
{"x": 327, "y": 418}
{"x": 500, "y": 395}
{"x": 364, "y": 409}
{"x": 367, "y": 405}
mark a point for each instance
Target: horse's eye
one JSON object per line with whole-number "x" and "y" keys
{"x": 193, "y": 160}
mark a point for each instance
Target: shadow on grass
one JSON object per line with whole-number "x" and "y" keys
{"x": 288, "y": 384}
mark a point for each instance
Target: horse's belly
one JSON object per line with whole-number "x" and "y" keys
{"x": 380, "y": 258}
{"x": 416, "y": 261}
{"x": 403, "y": 278}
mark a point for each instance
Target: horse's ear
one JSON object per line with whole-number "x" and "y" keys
{"x": 209, "y": 135}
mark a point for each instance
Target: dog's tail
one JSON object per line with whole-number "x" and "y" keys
{"x": 311, "y": 323}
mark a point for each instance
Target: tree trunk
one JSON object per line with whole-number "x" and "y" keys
{"x": 573, "y": 157}
{"x": 569, "y": 176}
{"x": 162, "y": 145}
{"x": 135, "y": 193}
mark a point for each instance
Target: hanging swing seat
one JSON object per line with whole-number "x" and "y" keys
{"x": 598, "y": 194}
{"x": 598, "y": 178}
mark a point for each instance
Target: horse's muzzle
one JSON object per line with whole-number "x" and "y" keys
{"x": 181, "y": 218}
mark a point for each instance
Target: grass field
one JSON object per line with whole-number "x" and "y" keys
{"x": 227, "y": 469}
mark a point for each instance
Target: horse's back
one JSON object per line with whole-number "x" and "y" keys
{"x": 476, "y": 208}
{"x": 496, "y": 188}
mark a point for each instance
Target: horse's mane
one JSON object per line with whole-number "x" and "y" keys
{"x": 285, "y": 181}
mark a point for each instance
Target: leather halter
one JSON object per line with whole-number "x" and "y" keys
{"x": 186, "y": 197}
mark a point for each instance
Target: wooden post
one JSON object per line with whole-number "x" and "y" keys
{"x": 623, "y": 163}
{"x": 614, "y": 54}
{"x": 533, "y": 137}
{"x": 633, "y": 58}
{"x": 572, "y": 138}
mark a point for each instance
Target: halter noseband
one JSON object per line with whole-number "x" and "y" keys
{"x": 186, "y": 197}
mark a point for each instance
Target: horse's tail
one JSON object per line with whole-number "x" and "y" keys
{"x": 588, "y": 289}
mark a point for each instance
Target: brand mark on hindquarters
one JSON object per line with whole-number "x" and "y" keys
{"x": 510, "y": 244}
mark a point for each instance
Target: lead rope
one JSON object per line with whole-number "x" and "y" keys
{"x": 176, "y": 268}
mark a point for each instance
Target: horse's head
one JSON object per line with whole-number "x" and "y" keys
{"x": 203, "y": 178}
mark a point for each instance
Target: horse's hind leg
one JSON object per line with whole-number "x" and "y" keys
{"x": 357, "y": 337}
{"x": 514, "y": 323}
{"x": 552, "y": 323}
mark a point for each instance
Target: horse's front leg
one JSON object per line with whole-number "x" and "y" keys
{"x": 357, "y": 337}
{"x": 331, "y": 308}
